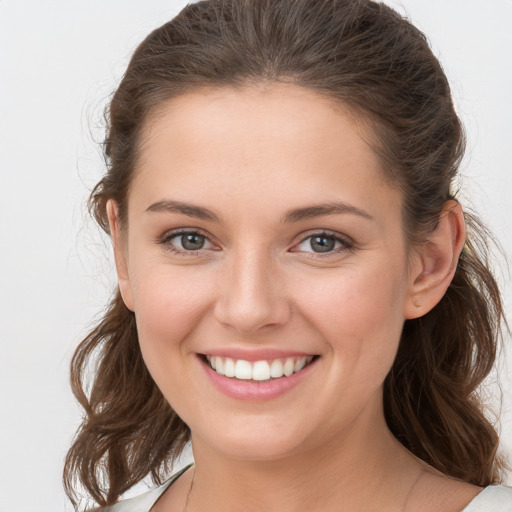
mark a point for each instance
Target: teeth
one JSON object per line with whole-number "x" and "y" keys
{"x": 261, "y": 370}
{"x": 288, "y": 367}
{"x": 276, "y": 369}
{"x": 243, "y": 370}
{"x": 229, "y": 367}
{"x": 258, "y": 370}
{"x": 299, "y": 364}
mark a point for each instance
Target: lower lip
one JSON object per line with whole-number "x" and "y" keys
{"x": 254, "y": 391}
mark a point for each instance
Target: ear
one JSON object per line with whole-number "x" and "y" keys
{"x": 120, "y": 254}
{"x": 435, "y": 261}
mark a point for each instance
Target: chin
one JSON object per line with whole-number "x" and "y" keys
{"x": 257, "y": 450}
{"x": 255, "y": 443}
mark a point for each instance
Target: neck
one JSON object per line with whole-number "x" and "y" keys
{"x": 339, "y": 472}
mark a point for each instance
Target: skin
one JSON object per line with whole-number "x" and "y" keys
{"x": 250, "y": 155}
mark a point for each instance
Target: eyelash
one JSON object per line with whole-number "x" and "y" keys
{"x": 346, "y": 244}
{"x": 166, "y": 241}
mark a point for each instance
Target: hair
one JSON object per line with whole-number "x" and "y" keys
{"x": 364, "y": 56}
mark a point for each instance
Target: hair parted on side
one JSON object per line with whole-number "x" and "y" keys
{"x": 365, "y": 56}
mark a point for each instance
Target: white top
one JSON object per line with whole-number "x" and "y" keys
{"x": 495, "y": 498}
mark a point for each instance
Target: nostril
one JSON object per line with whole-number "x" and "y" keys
{"x": 249, "y": 299}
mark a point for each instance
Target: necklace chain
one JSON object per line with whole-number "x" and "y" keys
{"x": 411, "y": 489}
{"x": 189, "y": 491}
{"x": 402, "y": 509}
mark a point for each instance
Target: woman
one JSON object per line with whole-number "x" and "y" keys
{"x": 300, "y": 292}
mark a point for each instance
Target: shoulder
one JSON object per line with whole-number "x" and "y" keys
{"x": 494, "y": 498}
{"x": 144, "y": 502}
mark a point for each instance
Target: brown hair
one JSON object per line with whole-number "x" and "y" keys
{"x": 367, "y": 57}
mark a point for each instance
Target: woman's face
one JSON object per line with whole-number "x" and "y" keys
{"x": 262, "y": 236}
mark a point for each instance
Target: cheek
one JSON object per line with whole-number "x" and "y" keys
{"x": 360, "y": 317}
{"x": 168, "y": 307}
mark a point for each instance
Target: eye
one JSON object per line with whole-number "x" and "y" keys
{"x": 323, "y": 243}
{"x": 187, "y": 242}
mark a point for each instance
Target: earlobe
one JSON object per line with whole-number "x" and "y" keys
{"x": 119, "y": 254}
{"x": 435, "y": 262}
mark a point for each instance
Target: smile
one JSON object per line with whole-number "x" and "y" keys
{"x": 263, "y": 370}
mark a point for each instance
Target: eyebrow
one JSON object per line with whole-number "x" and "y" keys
{"x": 199, "y": 212}
{"x": 310, "y": 212}
{"x": 295, "y": 215}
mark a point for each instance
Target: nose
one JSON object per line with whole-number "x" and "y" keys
{"x": 252, "y": 294}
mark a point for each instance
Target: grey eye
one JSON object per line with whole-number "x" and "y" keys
{"x": 325, "y": 243}
{"x": 322, "y": 243}
{"x": 189, "y": 243}
{"x": 192, "y": 241}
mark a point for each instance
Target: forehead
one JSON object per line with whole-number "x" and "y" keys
{"x": 277, "y": 140}
{"x": 269, "y": 111}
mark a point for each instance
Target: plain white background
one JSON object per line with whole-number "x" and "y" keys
{"x": 59, "y": 62}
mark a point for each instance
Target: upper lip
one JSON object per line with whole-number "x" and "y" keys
{"x": 260, "y": 354}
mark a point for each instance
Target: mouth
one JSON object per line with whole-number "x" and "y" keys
{"x": 258, "y": 371}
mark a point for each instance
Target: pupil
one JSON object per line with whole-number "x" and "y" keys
{"x": 322, "y": 243}
{"x": 192, "y": 241}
